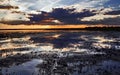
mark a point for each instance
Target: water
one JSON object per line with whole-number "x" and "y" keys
{"x": 27, "y": 68}
{"x": 59, "y": 52}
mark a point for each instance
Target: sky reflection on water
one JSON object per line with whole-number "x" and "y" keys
{"x": 66, "y": 44}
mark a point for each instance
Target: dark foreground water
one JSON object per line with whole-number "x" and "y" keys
{"x": 59, "y": 52}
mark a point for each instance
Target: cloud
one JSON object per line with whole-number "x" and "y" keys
{"x": 6, "y": 15}
{"x": 58, "y": 11}
{"x": 114, "y": 12}
{"x": 71, "y": 16}
{"x": 88, "y": 4}
{"x": 111, "y": 21}
{"x": 37, "y": 18}
{"x": 105, "y": 21}
{"x": 47, "y": 5}
{"x": 9, "y": 13}
{"x": 15, "y": 16}
{"x": 30, "y": 5}
{"x": 8, "y": 7}
{"x": 103, "y": 16}
{"x": 66, "y": 16}
{"x": 99, "y": 17}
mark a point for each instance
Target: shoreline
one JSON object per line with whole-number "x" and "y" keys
{"x": 86, "y": 28}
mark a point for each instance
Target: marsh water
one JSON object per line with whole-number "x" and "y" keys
{"x": 63, "y": 52}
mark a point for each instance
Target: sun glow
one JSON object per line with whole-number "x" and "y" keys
{"x": 3, "y": 26}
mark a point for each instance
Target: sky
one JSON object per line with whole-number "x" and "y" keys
{"x": 60, "y": 12}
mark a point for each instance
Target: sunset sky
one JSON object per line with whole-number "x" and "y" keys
{"x": 44, "y": 13}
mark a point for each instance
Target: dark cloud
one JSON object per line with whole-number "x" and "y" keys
{"x": 16, "y": 22}
{"x": 8, "y": 7}
{"x": 39, "y": 17}
{"x": 111, "y": 21}
{"x": 67, "y": 16}
{"x": 19, "y": 12}
{"x": 115, "y": 12}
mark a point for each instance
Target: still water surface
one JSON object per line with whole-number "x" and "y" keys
{"x": 59, "y": 52}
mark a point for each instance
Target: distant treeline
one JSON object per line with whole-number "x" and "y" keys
{"x": 90, "y": 28}
{"x": 103, "y": 28}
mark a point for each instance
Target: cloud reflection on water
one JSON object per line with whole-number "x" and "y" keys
{"x": 84, "y": 52}
{"x": 57, "y": 41}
